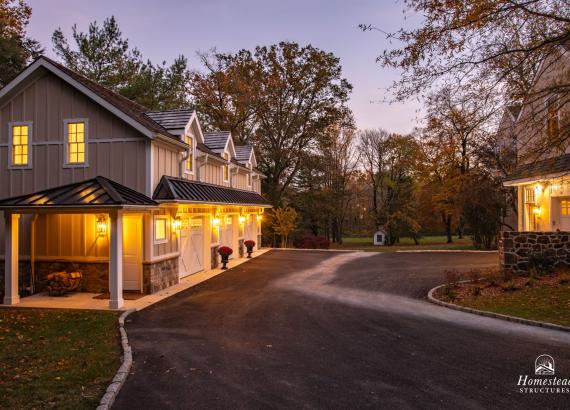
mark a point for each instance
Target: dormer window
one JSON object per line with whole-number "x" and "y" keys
{"x": 226, "y": 167}
{"x": 552, "y": 117}
{"x": 189, "y": 163}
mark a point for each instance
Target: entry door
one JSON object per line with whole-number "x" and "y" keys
{"x": 192, "y": 249}
{"x": 132, "y": 252}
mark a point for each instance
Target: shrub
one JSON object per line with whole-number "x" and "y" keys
{"x": 539, "y": 264}
{"x": 448, "y": 292}
{"x": 476, "y": 291}
{"x": 311, "y": 242}
{"x": 493, "y": 277}
{"x": 451, "y": 277}
{"x": 225, "y": 251}
{"x": 249, "y": 243}
{"x": 509, "y": 286}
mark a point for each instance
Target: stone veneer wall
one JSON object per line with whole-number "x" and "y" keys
{"x": 160, "y": 275}
{"x": 516, "y": 247}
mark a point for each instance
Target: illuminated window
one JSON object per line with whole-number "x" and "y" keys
{"x": 75, "y": 142}
{"x": 160, "y": 229}
{"x": 552, "y": 119}
{"x": 565, "y": 207}
{"x": 20, "y": 145}
{"x": 189, "y": 165}
{"x": 226, "y": 168}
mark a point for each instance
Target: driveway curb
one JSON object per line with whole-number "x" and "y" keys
{"x": 121, "y": 376}
{"x": 508, "y": 318}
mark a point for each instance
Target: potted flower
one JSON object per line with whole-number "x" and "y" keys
{"x": 225, "y": 252}
{"x": 249, "y": 244}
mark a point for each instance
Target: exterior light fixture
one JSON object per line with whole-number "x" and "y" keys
{"x": 241, "y": 219}
{"x": 176, "y": 223}
{"x": 259, "y": 218}
{"x": 101, "y": 225}
{"x": 215, "y": 221}
{"x": 536, "y": 211}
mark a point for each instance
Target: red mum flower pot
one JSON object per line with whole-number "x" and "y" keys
{"x": 249, "y": 244}
{"x": 225, "y": 252}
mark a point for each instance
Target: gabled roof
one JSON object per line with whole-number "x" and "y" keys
{"x": 172, "y": 189}
{"x": 217, "y": 141}
{"x": 97, "y": 192}
{"x": 557, "y": 166}
{"x": 243, "y": 152}
{"x": 129, "y": 111}
{"x": 173, "y": 120}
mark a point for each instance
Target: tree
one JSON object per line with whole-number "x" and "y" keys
{"x": 390, "y": 162}
{"x": 284, "y": 222}
{"x": 104, "y": 56}
{"x": 16, "y": 50}
{"x": 501, "y": 43}
{"x": 282, "y": 98}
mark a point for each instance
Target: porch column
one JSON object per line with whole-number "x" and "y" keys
{"x": 116, "y": 261}
{"x": 11, "y": 296}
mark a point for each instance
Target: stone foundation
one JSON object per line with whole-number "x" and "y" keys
{"x": 516, "y": 247}
{"x": 160, "y": 275}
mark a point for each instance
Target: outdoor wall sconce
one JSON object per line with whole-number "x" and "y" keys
{"x": 259, "y": 217}
{"x": 215, "y": 221}
{"x": 101, "y": 225}
{"x": 241, "y": 219}
{"x": 536, "y": 211}
{"x": 176, "y": 223}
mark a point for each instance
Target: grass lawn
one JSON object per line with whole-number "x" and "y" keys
{"x": 544, "y": 303}
{"x": 426, "y": 243}
{"x": 52, "y": 358}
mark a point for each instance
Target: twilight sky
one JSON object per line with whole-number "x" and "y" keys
{"x": 163, "y": 29}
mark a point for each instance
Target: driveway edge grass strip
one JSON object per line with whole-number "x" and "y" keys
{"x": 121, "y": 376}
{"x": 501, "y": 316}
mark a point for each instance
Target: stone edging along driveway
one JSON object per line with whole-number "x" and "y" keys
{"x": 121, "y": 376}
{"x": 509, "y": 318}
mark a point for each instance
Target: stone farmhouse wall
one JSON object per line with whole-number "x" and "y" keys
{"x": 516, "y": 247}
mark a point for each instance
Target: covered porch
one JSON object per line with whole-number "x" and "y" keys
{"x": 103, "y": 207}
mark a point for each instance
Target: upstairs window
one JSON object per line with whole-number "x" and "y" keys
{"x": 75, "y": 143}
{"x": 20, "y": 145}
{"x": 552, "y": 119}
{"x": 189, "y": 163}
{"x": 226, "y": 167}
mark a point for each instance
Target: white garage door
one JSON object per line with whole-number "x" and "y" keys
{"x": 565, "y": 214}
{"x": 192, "y": 248}
{"x": 226, "y": 234}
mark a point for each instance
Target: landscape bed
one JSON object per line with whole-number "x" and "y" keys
{"x": 543, "y": 298}
{"x": 55, "y": 358}
{"x": 436, "y": 242}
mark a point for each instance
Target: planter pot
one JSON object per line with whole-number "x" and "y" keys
{"x": 225, "y": 259}
{"x": 249, "y": 251}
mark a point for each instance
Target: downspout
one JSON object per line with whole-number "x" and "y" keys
{"x": 33, "y": 254}
{"x": 181, "y": 163}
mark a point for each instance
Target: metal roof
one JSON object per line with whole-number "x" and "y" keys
{"x": 556, "y": 165}
{"x": 96, "y": 192}
{"x": 216, "y": 140}
{"x": 172, "y": 120}
{"x": 243, "y": 152}
{"x": 183, "y": 190}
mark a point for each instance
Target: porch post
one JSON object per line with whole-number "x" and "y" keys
{"x": 116, "y": 261}
{"x": 11, "y": 296}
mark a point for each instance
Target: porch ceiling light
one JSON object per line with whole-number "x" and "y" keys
{"x": 101, "y": 225}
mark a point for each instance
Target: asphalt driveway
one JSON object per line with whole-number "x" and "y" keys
{"x": 298, "y": 329}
